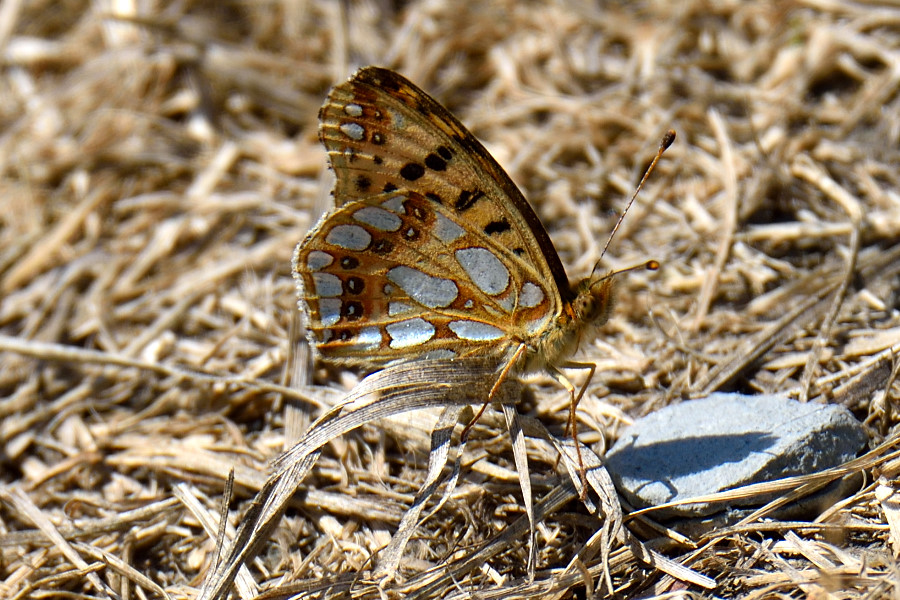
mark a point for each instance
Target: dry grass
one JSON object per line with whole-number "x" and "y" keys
{"x": 157, "y": 171}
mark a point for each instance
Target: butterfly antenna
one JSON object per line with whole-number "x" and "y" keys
{"x": 667, "y": 140}
{"x": 650, "y": 265}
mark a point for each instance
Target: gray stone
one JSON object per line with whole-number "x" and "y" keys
{"x": 724, "y": 441}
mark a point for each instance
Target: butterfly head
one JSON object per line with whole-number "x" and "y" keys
{"x": 594, "y": 297}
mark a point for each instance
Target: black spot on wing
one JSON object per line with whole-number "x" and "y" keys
{"x": 382, "y": 246}
{"x": 354, "y": 285}
{"x": 498, "y": 226}
{"x": 389, "y": 187}
{"x": 435, "y": 162}
{"x": 352, "y": 310}
{"x": 363, "y": 183}
{"x": 467, "y": 199}
{"x": 412, "y": 171}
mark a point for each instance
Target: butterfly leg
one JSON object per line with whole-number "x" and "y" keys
{"x": 573, "y": 405}
{"x": 504, "y": 374}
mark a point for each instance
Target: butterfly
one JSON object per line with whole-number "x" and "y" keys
{"x": 432, "y": 251}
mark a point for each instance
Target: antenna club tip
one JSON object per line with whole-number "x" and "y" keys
{"x": 652, "y": 265}
{"x": 668, "y": 140}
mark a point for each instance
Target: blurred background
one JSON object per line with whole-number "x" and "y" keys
{"x": 160, "y": 161}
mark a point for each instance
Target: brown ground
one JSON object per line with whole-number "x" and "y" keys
{"x": 157, "y": 172}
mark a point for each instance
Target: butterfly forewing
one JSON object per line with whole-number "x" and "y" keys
{"x": 392, "y": 276}
{"x": 383, "y": 133}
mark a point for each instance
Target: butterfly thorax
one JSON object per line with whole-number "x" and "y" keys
{"x": 578, "y": 323}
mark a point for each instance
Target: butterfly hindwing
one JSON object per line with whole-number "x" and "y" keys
{"x": 390, "y": 276}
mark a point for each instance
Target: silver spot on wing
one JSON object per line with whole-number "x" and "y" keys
{"x": 531, "y": 295}
{"x": 432, "y": 292}
{"x": 506, "y": 302}
{"x": 317, "y": 260}
{"x": 475, "y": 331}
{"x": 353, "y": 110}
{"x": 368, "y": 338}
{"x": 350, "y": 237}
{"x": 354, "y": 131}
{"x": 329, "y": 311}
{"x": 327, "y": 285}
{"x": 399, "y": 308}
{"x": 485, "y": 269}
{"x": 378, "y": 218}
{"x": 411, "y": 332}
{"x": 446, "y": 230}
